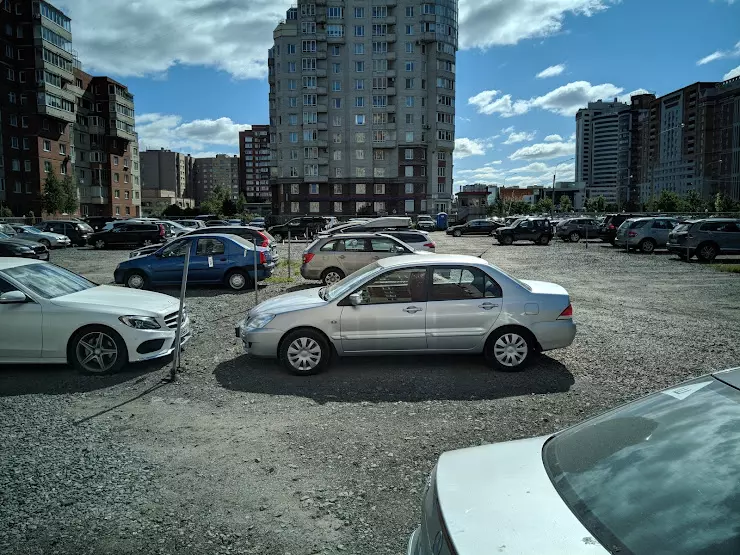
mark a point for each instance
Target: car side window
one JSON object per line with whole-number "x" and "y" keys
{"x": 397, "y": 286}
{"x": 178, "y": 248}
{"x": 355, "y": 245}
{"x": 331, "y": 246}
{"x": 462, "y": 283}
{"x": 6, "y": 287}
{"x": 729, "y": 227}
{"x": 524, "y": 225}
{"x": 383, "y": 245}
{"x": 209, "y": 246}
{"x": 711, "y": 226}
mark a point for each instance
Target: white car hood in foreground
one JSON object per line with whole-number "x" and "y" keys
{"x": 306, "y": 298}
{"x": 499, "y": 499}
{"x": 129, "y": 301}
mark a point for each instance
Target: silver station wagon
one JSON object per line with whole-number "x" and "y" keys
{"x": 413, "y": 305}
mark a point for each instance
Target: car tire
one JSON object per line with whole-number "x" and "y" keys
{"x": 544, "y": 240}
{"x": 647, "y": 246}
{"x": 330, "y": 276}
{"x": 100, "y": 244}
{"x": 509, "y": 349}
{"x": 574, "y": 236}
{"x": 107, "y": 349}
{"x": 278, "y": 237}
{"x": 457, "y": 233}
{"x": 237, "y": 280}
{"x": 136, "y": 279}
{"x": 46, "y": 243}
{"x": 304, "y": 352}
{"x": 507, "y": 240}
{"x": 706, "y": 252}
{"x": 612, "y": 242}
{"x": 146, "y": 242}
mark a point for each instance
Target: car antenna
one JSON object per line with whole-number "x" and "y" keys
{"x": 485, "y": 251}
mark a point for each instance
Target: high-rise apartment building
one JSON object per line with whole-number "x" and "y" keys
{"x": 38, "y": 98}
{"x": 166, "y": 178}
{"x": 220, "y": 171}
{"x": 602, "y": 149}
{"x": 254, "y": 168}
{"x": 362, "y": 107}
{"x": 106, "y": 151}
{"x": 719, "y": 164}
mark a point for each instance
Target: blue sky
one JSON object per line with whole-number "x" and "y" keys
{"x": 197, "y": 69}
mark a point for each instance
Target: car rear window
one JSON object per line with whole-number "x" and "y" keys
{"x": 657, "y": 476}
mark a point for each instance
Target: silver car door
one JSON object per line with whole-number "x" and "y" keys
{"x": 463, "y": 305}
{"x": 392, "y": 315}
{"x": 382, "y": 247}
{"x": 356, "y": 255}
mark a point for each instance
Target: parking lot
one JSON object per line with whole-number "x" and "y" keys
{"x": 238, "y": 456}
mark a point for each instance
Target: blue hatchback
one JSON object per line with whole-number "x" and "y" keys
{"x": 214, "y": 259}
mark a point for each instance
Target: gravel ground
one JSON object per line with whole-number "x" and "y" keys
{"x": 240, "y": 457}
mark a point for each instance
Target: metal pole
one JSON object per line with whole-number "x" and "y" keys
{"x": 553, "y": 196}
{"x": 288, "y": 252}
{"x": 256, "y": 285}
{"x": 178, "y": 333}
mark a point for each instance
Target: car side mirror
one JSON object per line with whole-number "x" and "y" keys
{"x": 355, "y": 299}
{"x": 13, "y": 297}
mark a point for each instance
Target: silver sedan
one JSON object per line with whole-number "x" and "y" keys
{"x": 47, "y": 238}
{"x": 413, "y": 304}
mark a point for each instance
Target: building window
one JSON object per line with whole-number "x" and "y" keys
{"x": 409, "y": 47}
{"x": 47, "y": 167}
{"x": 337, "y": 138}
{"x": 409, "y": 11}
{"x": 295, "y": 189}
{"x": 118, "y": 210}
{"x": 291, "y": 49}
{"x": 13, "y": 120}
{"x": 336, "y": 102}
{"x": 26, "y": 143}
{"x": 379, "y": 188}
{"x": 337, "y": 155}
{"x": 359, "y": 30}
{"x": 409, "y": 171}
{"x": 337, "y": 207}
{"x": 336, "y": 121}
{"x": 128, "y": 210}
{"x": 115, "y": 160}
{"x": 14, "y": 142}
{"x": 409, "y": 136}
{"x": 335, "y": 12}
{"x": 360, "y": 189}
{"x": 360, "y": 137}
{"x": 410, "y": 83}
{"x": 295, "y": 207}
{"x": 409, "y": 29}
{"x": 17, "y": 188}
{"x": 408, "y": 206}
{"x": 313, "y": 207}
{"x": 379, "y": 155}
{"x": 116, "y": 178}
{"x": 359, "y": 84}
{"x": 359, "y": 48}
{"x": 63, "y": 168}
{"x": 409, "y": 153}
{"x": 337, "y": 172}
{"x": 360, "y": 172}
{"x": 379, "y": 207}
{"x": 359, "y": 13}
{"x": 337, "y": 188}
{"x": 409, "y": 102}
{"x": 360, "y": 119}
{"x": 125, "y": 179}
{"x": 360, "y": 154}
{"x": 117, "y": 193}
{"x": 27, "y": 165}
{"x": 336, "y": 85}
{"x": 47, "y": 145}
{"x": 359, "y": 67}
{"x": 409, "y": 188}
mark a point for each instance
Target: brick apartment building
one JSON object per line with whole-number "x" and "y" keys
{"x": 254, "y": 166}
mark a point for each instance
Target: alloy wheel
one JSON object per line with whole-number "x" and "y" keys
{"x": 237, "y": 281}
{"x": 510, "y": 349}
{"x": 304, "y": 354}
{"x": 99, "y": 244}
{"x": 97, "y": 352}
{"x": 332, "y": 277}
{"x": 135, "y": 281}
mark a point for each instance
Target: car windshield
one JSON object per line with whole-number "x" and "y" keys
{"x": 516, "y": 222}
{"x": 47, "y": 280}
{"x": 659, "y": 475}
{"x": 29, "y": 229}
{"x": 349, "y": 283}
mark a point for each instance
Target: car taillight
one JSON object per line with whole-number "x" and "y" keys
{"x": 430, "y": 245}
{"x": 566, "y": 314}
{"x": 265, "y": 240}
{"x": 263, "y": 258}
{"x": 161, "y": 230}
{"x": 307, "y": 257}
{"x": 611, "y": 226}
{"x": 632, "y": 234}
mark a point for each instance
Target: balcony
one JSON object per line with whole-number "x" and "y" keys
{"x": 321, "y": 17}
{"x": 336, "y": 39}
{"x": 57, "y": 113}
{"x": 322, "y": 126}
{"x": 390, "y": 91}
{"x": 390, "y": 20}
{"x": 321, "y": 54}
{"x": 97, "y": 130}
{"x": 385, "y": 144}
{"x": 321, "y": 108}
{"x": 320, "y": 37}
{"x": 323, "y": 161}
{"x": 320, "y": 73}
{"x": 66, "y": 74}
{"x": 390, "y": 37}
{"x": 320, "y": 90}
{"x": 391, "y": 73}
{"x": 390, "y": 55}
{"x": 121, "y": 134}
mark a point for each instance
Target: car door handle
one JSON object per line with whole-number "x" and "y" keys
{"x": 412, "y": 309}
{"x": 487, "y": 306}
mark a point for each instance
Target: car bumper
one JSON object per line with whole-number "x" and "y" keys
{"x": 118, "y": 276}
{"x": 554, "y": 335}
{"x": 262, "y": 343}
{"x": 624, "y": 241}
{"x": 679, "y": 249}
{"x": 152, "y": 344}
{"x": 310, "y": 273}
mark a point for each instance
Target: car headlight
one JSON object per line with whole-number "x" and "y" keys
{"x": 140, "y": 322}
{"x": 23, "y": 250}
{"x": 259, "y": 322}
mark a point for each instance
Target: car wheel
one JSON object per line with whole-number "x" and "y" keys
{"x": 136, "y": 280}
{"x": 457, "y": 233}
{"x": 46, "y": 243}
{"x": 278, "y": 237}
{"x": 612, "y": 242}
{"x": 544, "y": 240}
{"x": 332, "y": 276}
{"x": 146, "y": 242}
{"x": 97, "y": 350}
{"x": 647, "y": 246}
{"x": 509, "y": 350}
{"x": 507, "y": 240}
{"x": 100, "y": 244}
{"x": 707, "y": 252}
{"x": 574, "y": 236}
{"x": 237, "y": 280}
{"x": 304, "y": 352}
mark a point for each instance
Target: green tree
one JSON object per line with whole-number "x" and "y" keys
{"x": 173, "y": 210}
{"x": 600, "y": 204}
{"x": 70, "y": 197}
{"x": 544, "y": 205}
{"x": 497, "y": 208}
{"x": 565, "y": 204}
{"x": 693, "y": 202}
{"x": 668, "y": 201}
{"x": 53, "y": 197}
{"x": 214, "y": 204}
{"x": 5, "y": 212}
{"x": 723, "y": 203}
{"x": 228, "y": 207}
{"x": 241, "y": 204}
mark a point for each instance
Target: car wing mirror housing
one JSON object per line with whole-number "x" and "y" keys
{"x": 355, "y": 299}
{"x": 13, "y": 297}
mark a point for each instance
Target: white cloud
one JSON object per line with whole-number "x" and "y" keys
{"x": 520, "y": 137}
{"x": 485, "y": 23}
{"x": 197, "y": 136}
{"x": 143, "y": 38}
{"x": 508, "y": 129}
{"x": 487, "y": 103}
{"x": 534, "y": 167}
{"x": 553, "y": 139}
{"x": 494, "y": 163}
{"x": 626, "y": 97}
{"x": 551, "y": 71}
{"x": 732, "y": 73}
{"x": 544, "y": 151}
{"x": 469, "y": 147}
{"x": 720, "y": 54}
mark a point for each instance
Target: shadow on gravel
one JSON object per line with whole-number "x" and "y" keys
{"x": 55, "y": 379}
{"x": 396, "y": 378}
{"x": 302, "y": 286}
{"x": 206, "y": 291}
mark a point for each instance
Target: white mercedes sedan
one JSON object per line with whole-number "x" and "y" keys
{"x": 51, "y": 315}
{"x": 413, "y": 304}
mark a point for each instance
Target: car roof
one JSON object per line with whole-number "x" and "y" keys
{"x": 413, "y": 259}
{"x": 7, "y": 263}
{"x": 358, "y": 235}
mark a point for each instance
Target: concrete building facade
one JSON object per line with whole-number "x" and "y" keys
{"x": 220, "y": 171}
{"x": 254, "y": 167}
{"x": 167, "y": 179}
{"x": 362, "y": 107}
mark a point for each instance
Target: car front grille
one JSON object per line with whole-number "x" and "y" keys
{"x": 171, "y": 320}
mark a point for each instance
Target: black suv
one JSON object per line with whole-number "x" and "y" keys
{"x": 608, "y": 230}
{"x": 134, "y": 233}
{"x": 474, "y": 227}
{"x": 304, "y": 226}
{"x": 98, "y": 222}
{"x": 77, "y": 231}
{"x": 537, "y": 230}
